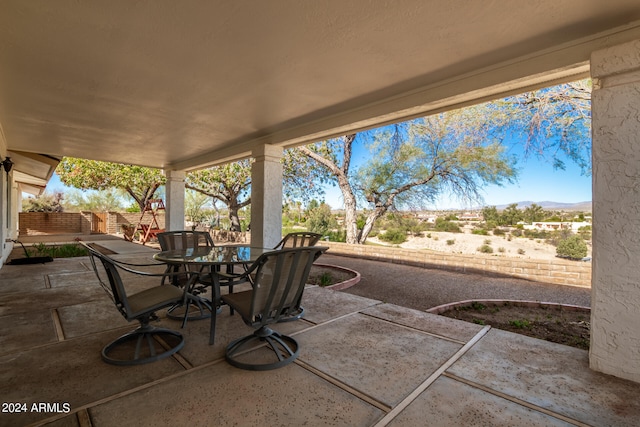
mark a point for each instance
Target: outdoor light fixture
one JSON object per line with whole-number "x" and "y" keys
{"x": 7, "y": 164}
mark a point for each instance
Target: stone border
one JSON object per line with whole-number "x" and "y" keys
{"x": 495, "y": 302}
{"x": 557, "y": 271}
{"x": 341, "y": 285}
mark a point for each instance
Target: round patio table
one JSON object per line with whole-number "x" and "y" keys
{"x": 217, "y": 256}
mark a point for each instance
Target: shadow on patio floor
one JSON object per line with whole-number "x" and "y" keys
{"x": 363, "y": 363}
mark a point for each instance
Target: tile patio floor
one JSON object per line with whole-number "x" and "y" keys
{"x": 362, "y": 363}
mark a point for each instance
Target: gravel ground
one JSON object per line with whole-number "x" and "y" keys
{"x": 424, "y": 288}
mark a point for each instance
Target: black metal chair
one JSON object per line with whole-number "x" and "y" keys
{"x": 187, "y": 239}
{"x": 296, "y": 240}
{"x": 280, "y": 277}
{"x": 130, "y": 349}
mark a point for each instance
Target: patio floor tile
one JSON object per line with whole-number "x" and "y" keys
{"x": 379, "y": 358}
{"x": 70, "y": 371}
{"x": 323, "y": 304}
{"x": 221, "y": 395}
{"x": 448, "y": 402}
{"x": 427, "y": 322}
{"x": 550, "y": 376}
{"x": 25, "y": 330}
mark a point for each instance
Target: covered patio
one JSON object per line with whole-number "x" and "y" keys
{"x": 185, "y": 86}
{"x": 363, "y": 363}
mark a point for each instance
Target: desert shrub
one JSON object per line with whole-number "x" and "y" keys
{"x": 485, "y": 249}
{"x": 499, "y": 231}
{"x": 573, "y": 247}
{"x": 451, "y": 242}
{"x": 536, "y": 234}
{"x": 337, "y": 236}
{"x": 520, "y": 251}
{"x": 501, "y": 250}
{"x": 444, "y": 225}
{"x": 394, "y": 235}
{"x": 516, "y": 233}
{"x": 480, "y": 231}
{"x": 585, "y": 232}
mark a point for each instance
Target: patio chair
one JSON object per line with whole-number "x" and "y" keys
{"x": 188, "y": 239}
{"x": 296, "y": 240}
{"x": 280, "y": 278}
{"x": 130, "y": 348}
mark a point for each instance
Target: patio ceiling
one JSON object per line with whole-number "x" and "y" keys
{"x": 183, "y": 85}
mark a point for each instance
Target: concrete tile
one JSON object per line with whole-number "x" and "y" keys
{"x": 384, "y": 360}
{"x": 221, "y": 395}
{"x": 448, "y": 402}
{"x": 552, "y": 376}
{"x": 324, "y": 304}
{"x": 26, "y": 330}
{"x": 72, "y": 279}
{"x": 197, "y": 350}
{"x": 91, "y": 317}
{"x": 427, "y": 322}
{"x": 26, "y": 283}
{"x": 68, "y": 421}
{"x": 24, "y": 302}
{"x": 70, "y": 371}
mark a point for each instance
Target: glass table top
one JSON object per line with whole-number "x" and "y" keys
{"x": 228, "y": 254}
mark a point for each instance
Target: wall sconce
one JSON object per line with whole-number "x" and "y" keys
{"x": 7, "y": 164}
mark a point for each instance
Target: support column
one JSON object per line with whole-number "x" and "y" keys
{"x": 174, "y": 192}
{"x": 266, "y": 197}
{"x": 615, "y": 297}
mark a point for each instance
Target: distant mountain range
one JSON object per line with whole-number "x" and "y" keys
{"x": 546, "y": 205}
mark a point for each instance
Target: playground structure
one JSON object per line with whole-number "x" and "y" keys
{"x": 145, "y": 232}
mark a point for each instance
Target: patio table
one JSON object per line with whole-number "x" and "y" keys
{"x": 214, "y": 258}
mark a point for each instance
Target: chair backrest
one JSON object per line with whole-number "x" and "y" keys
{"x": 106, "y": 270}
{"x": 187, "y": 239}
{"x": 279, "y": 282}
{"x": 298, "y": 239}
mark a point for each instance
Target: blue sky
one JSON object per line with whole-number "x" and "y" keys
{"x": 537, "y": 181}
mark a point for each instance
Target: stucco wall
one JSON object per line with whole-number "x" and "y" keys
{"x": 558, "y": 271}
{"x": 615, "y": 315}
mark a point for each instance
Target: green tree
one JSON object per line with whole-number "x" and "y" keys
{"x": 139, "y": 182}
{"x": 554, "y": 121}
{"x": 491, "y": 216}
{"x": 412, "y": 163}
{"x": 46, "y": 202}
{"x": 533, "y": 213}
{"x": 229, "y": 183}
{"x": 321, "y": 220}
{"x": 573, "y": 247}
{"x": 94, "y": 201}
{"x": 511, "y": 215}
{"x": 194, "y": 203}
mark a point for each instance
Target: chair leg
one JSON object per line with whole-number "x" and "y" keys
{"x": 294, "y": 316}
{"x": 119, "y": 352}
{"x": 285, "y": 348}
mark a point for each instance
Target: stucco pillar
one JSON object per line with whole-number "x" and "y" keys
{"x": 174, "y": 193}
{"x": 266, "y": 197}
{"x": 615, "y": 300}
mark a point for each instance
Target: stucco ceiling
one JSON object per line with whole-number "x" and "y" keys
{"x": 183, "y": 84}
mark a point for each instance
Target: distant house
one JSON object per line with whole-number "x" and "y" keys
{"x": 550, "y": 226}
{"x": 471, "y": 216}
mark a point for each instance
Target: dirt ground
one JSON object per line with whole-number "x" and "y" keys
{"x": 567, "y": 327}
{"x": 468, "y": 243}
